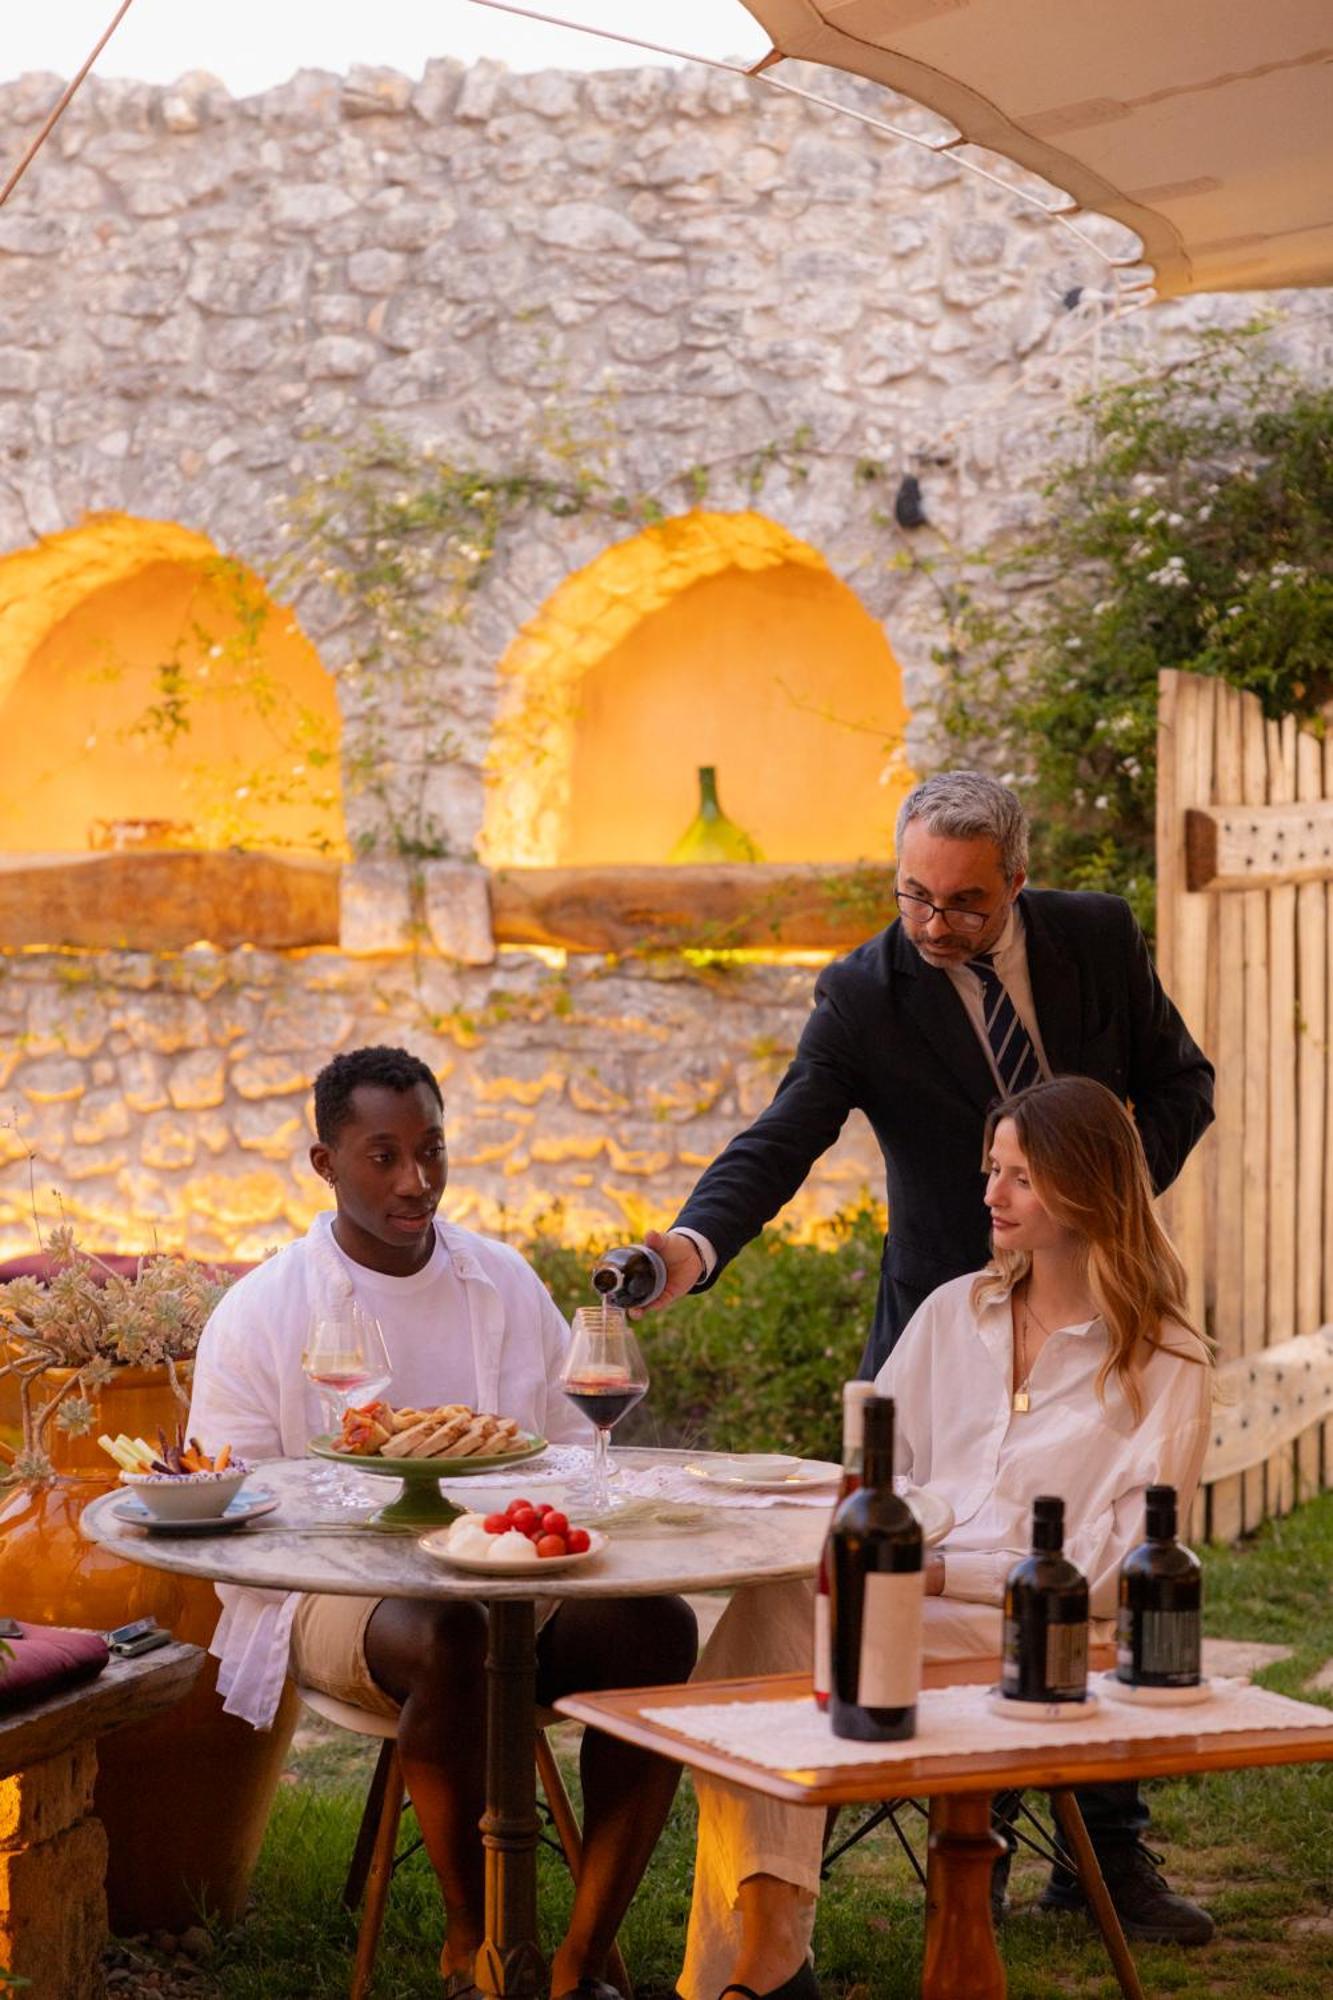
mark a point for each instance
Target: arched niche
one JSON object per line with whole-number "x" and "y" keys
{"x": 153, "y": 694}
{"x": 710, "y": 638}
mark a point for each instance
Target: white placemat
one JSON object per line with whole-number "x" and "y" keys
{"x": 958, "y": 1721}
{"x": 675, "y": 1484}
{"x": 668, "y": 1483}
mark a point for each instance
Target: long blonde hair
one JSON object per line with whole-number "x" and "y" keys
{"x": 1086, "y": 1164}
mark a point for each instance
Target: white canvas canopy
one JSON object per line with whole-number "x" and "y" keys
{"x": 1205, "y": 126}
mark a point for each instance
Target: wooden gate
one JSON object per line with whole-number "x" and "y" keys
{"x": 1245, "y": 948}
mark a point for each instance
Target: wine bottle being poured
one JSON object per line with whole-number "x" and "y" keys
{"x": 629, "y": 1275}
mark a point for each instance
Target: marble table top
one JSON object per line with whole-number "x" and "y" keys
{"x": 304, "y": 1545}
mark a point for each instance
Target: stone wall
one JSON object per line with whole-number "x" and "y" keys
{"x": 166, "y": 1099}
{"x": 199, "y": 297}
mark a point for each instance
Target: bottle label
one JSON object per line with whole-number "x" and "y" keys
{"x": 890, "y": 1667}
{"x": 1170, "y": 1646}
{"x": 823, "y": 1662}
{"x": 1066, "y": 1661}
{"x": 1062, "y": 1652}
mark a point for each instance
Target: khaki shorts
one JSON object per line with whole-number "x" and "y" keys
{"x": 328, "y": 1648}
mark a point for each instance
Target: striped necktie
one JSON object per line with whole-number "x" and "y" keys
{"x": 1010, "y": 1043}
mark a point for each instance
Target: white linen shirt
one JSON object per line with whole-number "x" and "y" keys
{"x": 494, "y": 1329}
{"x": 950, "y": 1376}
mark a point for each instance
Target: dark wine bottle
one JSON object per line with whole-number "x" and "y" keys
{"x": 875, "y": 1596}
{"x": 630, "y": 1275}
{"x": 1159, "y": 1623}
{"x": 1045, "y": 1616}
{"x": 855, "y": 1395}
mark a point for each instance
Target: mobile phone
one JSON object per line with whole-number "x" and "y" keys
{"x": 147, "y": 1642}
{"x": 136, "y": 1629}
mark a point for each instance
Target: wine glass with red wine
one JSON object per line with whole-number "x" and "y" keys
{"x": 604, "y": 1377}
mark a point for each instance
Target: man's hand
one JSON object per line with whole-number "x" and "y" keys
{"x": 684, "y": 1267}
{"x": 934, "y": 1575}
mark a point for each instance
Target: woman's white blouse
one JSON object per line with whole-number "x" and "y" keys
{"x": 950, "y": 1376}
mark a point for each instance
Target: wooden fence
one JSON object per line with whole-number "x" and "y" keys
{"x": 1245, "y": 947}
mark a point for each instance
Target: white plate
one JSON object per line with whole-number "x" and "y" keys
{"x": 434, "y": 1545}
{"x": 1150, "y": 1697}
{"x": 242, "y": 1507}
{"x": 1042, "y": 1711}
{"x": 772, "y": 1474}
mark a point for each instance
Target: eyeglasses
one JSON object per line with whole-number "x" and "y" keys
{"x": 920, "y": 911}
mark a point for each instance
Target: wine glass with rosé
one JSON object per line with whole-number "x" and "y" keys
{"x": 604, "y": 1376}
{"x": 345, "y": 1361}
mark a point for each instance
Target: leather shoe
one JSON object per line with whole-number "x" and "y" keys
{"x": 801, "y": 1986}
{"x": 1148, "y": 1908}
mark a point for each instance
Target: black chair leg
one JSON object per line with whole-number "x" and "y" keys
{"x": 359, "y": 1867}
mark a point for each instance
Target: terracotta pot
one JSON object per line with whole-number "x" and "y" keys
{"x": 184, "y": 1796}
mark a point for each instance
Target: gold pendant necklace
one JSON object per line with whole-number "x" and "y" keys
{"x": 1022, "y": 1401}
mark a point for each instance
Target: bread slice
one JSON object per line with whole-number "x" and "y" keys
{"x": 440, "y": 1438}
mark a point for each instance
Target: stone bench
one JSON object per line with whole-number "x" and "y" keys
{"x": 52, "y": 1849}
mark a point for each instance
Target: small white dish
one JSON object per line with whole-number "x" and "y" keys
{"x": 772, "y": 1473}
{"x": 1153, "y": 1697}
{"x": 242, "y": 1507}
{"x": 1043, "y": 1711}
{"x": 187, "y": 1496}
{"x": 435, "y": 1544}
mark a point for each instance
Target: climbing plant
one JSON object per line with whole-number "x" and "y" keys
{"x": 1193, "y": 528}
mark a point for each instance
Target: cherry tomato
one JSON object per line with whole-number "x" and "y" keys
{"x": 555, "y": 1522}
{"x": 496, "y": 1524}
{"x": 525, "y": 1519}
{"x": 515, "y": 1506}
{"x": 577, "y": 1542}
{"x": 552, "y": 1545}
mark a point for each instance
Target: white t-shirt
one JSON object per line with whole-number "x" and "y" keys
{"x": 476, "y": 1326}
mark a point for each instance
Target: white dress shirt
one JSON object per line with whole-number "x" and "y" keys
{"x": 476, "y": 1325}
{"x": 1010, "y": 958}
{"x": 951, "y": 1377}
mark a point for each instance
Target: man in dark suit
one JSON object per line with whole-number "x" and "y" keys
{"x": 899, "y": 1031}
{"x": 980, "y": 987}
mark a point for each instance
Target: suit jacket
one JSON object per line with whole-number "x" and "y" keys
{"x": 889, "y": 1036}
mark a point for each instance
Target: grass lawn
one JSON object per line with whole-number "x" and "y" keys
{"x": 1256, "y": 1847}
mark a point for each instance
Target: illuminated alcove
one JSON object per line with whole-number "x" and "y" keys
{"x": 715, "y": 639}
{"x": 152, "y": 693}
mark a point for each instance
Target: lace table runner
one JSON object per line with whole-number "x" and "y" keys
{"x": 670, "y": 1483}
{"x": 959, "y": 1721}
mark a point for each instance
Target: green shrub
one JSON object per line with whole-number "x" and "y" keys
{"x": 757, "y": 1363}
{"x": 1194, "y": 531}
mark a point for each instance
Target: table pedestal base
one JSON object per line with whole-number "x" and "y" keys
{"x": 510, "y": 1965}
{"x": 961, "y": 1959}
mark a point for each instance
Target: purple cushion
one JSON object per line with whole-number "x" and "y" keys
{"x": 46, "y": 1660}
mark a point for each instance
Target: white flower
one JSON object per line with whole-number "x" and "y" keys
{"x": 1073, "y": 645}
{"x": 1171, "y": 575}
{"x": 1101, "y": 802}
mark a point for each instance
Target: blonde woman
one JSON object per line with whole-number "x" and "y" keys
{"x": 1068, "y": 1365}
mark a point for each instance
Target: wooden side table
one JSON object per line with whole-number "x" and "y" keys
{"x": 52, "y": 1849}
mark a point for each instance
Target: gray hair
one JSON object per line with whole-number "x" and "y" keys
{"x": 962, "y": 805}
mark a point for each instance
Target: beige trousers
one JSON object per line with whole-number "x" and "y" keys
{"x": 769, "y": 1629}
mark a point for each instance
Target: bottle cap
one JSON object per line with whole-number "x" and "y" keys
{"x": 877, "y": 1419}
{"x": 1160, "y": 1510}
{"x": 855, "y": 1396}
{"x": 1048, "y": 1522}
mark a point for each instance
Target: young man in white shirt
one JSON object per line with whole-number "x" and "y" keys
{"x": 465, "y": 1320}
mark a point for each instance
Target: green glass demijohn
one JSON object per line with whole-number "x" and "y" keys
{"x": 710, "y": 835}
